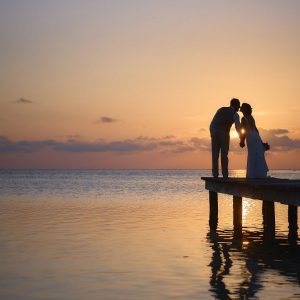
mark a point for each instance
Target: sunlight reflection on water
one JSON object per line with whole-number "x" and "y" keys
{"x": 136, "y": 234}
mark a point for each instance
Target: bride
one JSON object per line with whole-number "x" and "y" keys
{"x": 256, "y": 163}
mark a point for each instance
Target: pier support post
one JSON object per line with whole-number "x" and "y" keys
{"x": 213, "y": 210}
{"x": 237, "y": 216}
{"x": 268, "y": 211}
{"x": 293, "y": 222}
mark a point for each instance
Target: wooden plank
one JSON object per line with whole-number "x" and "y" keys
{"x": 213, "y": 210}
{"x": 293, "y": 222}
{"x": 237, "y": 216}
{"x": 268, "y": 213}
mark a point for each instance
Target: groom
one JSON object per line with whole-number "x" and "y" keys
{"x": 219, "y": 132}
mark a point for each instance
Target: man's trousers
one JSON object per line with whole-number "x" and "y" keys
{"x": 220, "y": 143}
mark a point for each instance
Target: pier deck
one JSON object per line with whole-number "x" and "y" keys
{"x": 269, "y": 190}
{"x": 284, "y": 191}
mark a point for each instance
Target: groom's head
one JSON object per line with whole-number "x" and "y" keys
{"x": 235, "y": 103}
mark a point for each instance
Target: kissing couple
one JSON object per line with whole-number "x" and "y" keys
{"x": 246, "y": 129}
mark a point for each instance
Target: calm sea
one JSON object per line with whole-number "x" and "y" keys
{"x": 136, "y": 234}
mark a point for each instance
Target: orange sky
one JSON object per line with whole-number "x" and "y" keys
{"x": 134, "y": 84}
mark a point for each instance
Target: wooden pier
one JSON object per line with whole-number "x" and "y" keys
{"x": 269, "y": 190}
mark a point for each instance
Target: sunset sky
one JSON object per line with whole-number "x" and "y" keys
{"x": 135, "y": 84}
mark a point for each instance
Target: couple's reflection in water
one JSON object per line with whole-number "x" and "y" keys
{"x": 240, "y": 259}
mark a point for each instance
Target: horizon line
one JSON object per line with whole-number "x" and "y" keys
{"x": 133, "y": 169}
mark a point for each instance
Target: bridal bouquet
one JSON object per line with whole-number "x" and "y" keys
{"x": 266, "y": 146}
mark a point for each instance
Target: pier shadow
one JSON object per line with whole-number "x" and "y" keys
{"x": 253, "y": 253}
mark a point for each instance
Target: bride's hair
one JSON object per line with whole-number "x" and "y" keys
{"x": 246, "y": 109}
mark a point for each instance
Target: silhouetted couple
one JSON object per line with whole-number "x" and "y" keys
{"x": 246, "y": 129}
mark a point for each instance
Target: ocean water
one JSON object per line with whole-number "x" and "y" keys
{"x": 137, "y": 234}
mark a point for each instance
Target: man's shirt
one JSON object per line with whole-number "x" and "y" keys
{"x": 215, "y": 124}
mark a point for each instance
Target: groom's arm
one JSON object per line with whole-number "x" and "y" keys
{"x": 237, "y": 123}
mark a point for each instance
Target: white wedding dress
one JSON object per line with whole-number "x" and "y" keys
{"x": 256, "y": 162}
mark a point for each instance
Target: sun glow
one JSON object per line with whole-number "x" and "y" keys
{"x": 234, "y": 134}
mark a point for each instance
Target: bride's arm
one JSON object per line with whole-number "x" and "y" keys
{"x": 243, "y": 132}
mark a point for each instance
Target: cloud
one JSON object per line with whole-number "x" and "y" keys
{"x": 202, "y": 144}
{"x": 116, "y": 146}
{"x": 277, "y": 138}
{"x": 183, "y": 149}
{"x": 143, "y": 138}
{"x": 7, "y": 145}
{"x": 73, "y": 137}
{"x": 167, "y": 144}
{"x": 74, "y": 145}
{"x": 277, "y": 131}
{"x": 170, "y": 143}
{"x": 170, "y": 136}
{"x": 107, "y": 120}
{"x": 23, "y": 101}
